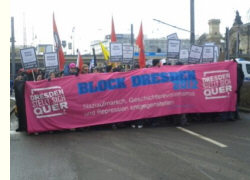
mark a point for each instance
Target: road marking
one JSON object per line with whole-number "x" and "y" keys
{"x": 15, "y": 133}
{"x": 13, "y": 98}
{"x": 202, "y": 137}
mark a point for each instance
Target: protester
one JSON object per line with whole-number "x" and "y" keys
{"x": 19, "y": 85}
{"x": 39, "y": 77}
{"x": 109, "y": 68}
{"x": 84, "y": 69}
{"x": 73, "y": 69}
{"x": 240, "y": 79}
{"x": 156, "y": 63}
{"x": 11, "y": 86}
{"x": 52, "y": 75}
{"x": 61, "y": 74}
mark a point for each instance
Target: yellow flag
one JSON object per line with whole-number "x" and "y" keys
{"x": 105, "y": 52}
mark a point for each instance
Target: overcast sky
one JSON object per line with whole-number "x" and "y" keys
{"x": 92, "y": 18}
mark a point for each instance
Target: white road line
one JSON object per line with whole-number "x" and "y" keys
{"x": 13, "y": 98}
{"x": 15, "y": 133}
{"x": 202, "y": 137}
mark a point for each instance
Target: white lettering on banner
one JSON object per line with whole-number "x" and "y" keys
{"x": 216, "y": 84}
{"x": 48, "y": 102}
{"x": 108, "y": 107}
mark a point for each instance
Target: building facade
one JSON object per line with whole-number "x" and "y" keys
{"x": 239, "y": 32}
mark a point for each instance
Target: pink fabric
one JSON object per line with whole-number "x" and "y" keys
{"x": 204, "y": 88}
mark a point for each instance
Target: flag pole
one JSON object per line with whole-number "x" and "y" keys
{"x": 34, "y": 79}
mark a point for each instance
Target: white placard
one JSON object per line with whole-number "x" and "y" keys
{"x": 115, "y": 52}
{"x": 216, "y": 53}
{"x": 173, "y": 50}
{"x": 172, "y": 36}
{"x": 128, "y": 53}
{"x": 195, "y": 54}
{"x": 208, "y": 54}
{"x": 116, "y": 49}
{"x": 28, "y": 56}
{"x": 184, "y": 54}
{"x": 50, "y": 59}
{"x": 209, "y": 44}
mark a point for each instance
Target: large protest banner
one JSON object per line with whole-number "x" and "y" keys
{"x": 28, "y": 57}
{"x": 101, "y": 98}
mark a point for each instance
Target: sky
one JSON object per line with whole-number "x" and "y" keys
{"x": 92, "y": 18}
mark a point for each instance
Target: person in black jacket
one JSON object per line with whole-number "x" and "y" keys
{"x": 240, "y": 79}
{"x": 19, "y": 86}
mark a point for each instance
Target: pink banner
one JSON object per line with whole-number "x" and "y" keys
{"x": 101, "y": 98}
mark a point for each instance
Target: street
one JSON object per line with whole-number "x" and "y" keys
{"x": 164, "y": 152}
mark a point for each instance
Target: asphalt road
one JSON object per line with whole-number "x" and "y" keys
{"x": 155, "y": 153}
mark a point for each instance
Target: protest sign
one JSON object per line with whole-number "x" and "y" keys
{"x": 195, "y": 54}
{"x": 216, "y": 53}
{"x": 28, "y": 57}
{"x": 102, "y": 98}
{"x": 128, "y": 53}
{"x": 51, "y": 62}
{"x": 183, "y": 56}
{"x": 173, "y": 48}
{"x": 209, "y": 44}
{"x": 208, "y": 54}
{"x": 216, "y": 50}
{"x": 172, "y": 36}
{"x": 115, "y": 52}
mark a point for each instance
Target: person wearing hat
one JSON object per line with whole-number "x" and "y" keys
{"x": 73, "y": 70}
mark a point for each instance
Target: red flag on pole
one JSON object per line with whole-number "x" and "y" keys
{"x": 79, "y": 61}
{"x": 113, "y": 36}
{"x": 58, "y": 45}
{"x": 139, "y": 42}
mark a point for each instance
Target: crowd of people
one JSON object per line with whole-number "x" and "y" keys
{"x": 71, "y": 69}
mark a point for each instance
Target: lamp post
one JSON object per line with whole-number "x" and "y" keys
{"x": 73, "y": 39}
{"x": 192, "y": 34}
{"x": 13, "y": 49}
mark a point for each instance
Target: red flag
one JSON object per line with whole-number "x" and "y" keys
{"x": 79, "y": 61}
{"x": 142, "y": 59}
{"x": 113, "y": 36}
{"x": 58, "y": 45}
{"x": 139, "y": 42}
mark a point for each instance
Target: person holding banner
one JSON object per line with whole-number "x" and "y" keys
{"x": 156, "y": 63}
{"x": 19, "y": 85}
{"x": 240, "y": 79}
{"x": 84, "y": 69}
{"x": 73, "y": 69}
{"x": 39, "y": 77}
{"x": 52, "y": 75}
